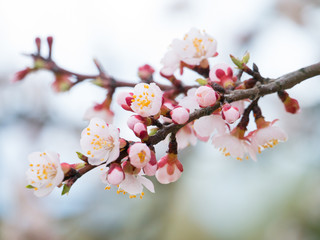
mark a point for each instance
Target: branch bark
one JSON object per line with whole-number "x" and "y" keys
{"x": 274, "y": 85}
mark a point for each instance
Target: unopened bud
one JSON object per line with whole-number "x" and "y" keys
{"x": 145, "y": 72}
{"x": 230, "y": 113}
{"x": 291, "y": 105}
{"x": 115, "y": 174}
{"x": 180, "y": 115}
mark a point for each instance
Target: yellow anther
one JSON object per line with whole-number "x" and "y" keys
{"x": 49, "y": 185}
{"x": 142, "y": 193}
{"x": 88, "y": 129}
{"x": 107, "y": 188}
{"x": 142, "y": 156}
{"x": 35, "y": 189}
{"x": 103, "y": 126}
{"x": 146, "y": 86}
{"x": 44, "y": 153}
{"x": 89, "y": 152}
{"x": 31, "y": 165}
{"x": 88, "y": 133}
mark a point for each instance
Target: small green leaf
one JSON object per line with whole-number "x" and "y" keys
{"x": 153, "y": 131}
{"x": 80, "y": 155}
{"x": 245, "y": 58}
{"x": 202, "y": 81}
{"x": 30, "y": 186}
{"x": 65, "y": 189}
{"x": 236, "y": 61}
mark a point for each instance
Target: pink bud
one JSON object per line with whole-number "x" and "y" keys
{"x": 145, "y": 72}
{"x": 292, "y": 105}
{"x": 139, "y": 154}
{"x": 115, "y": 174}
{"x": 66, "y": 167}
{"x": 206, "y": 96}
{"x": 169, "y": 169}
{"x": 21, "y": 74}
{"x": 180, "y": 115}
{"x": 151, "y": 167}
{"x": 124, "y": 100}
{"x": 140, "y": 130}
{"x": 230, "y": 113}
{"x": 132, "y": 120}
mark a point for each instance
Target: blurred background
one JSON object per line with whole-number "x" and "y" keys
{"x": 277, "y": 197}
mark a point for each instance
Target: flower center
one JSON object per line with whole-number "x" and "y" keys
{"x": 142, "y": 156}
{"x": 144, "y": 99}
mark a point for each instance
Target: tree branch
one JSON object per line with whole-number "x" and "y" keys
{"x": 274, "y": 85}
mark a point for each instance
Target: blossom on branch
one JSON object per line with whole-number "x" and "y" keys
{"x": 146, "y": 99}
{"x": 139, "y": 155}
{"x": 223, "y": 75}
{"x": 45, "y": 172}
{"x": 195, "y": 48}
{"x": 234, "y": 144}
{"x": 267, "y": 135}
{"x": 170, "y": 169}
{"x": 100, "y": 142}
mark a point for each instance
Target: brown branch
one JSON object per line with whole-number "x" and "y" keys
{"x": 274, "y": 85}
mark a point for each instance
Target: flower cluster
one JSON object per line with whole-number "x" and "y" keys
{"x": 205, "y": 112}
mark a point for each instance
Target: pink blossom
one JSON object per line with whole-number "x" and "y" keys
{"x": 124, "y": 100}
{"x": 206, "y": 125}
{"x": 234, "y": 144}
{"x": 186, "y": 136}
{"x": 139, "y": 154}
{"x": 133, "y": 184}
{"x": 223, "y": 75}
{"x": 230, "y": 113}
{"x": 169, "y": 169}
{"x": 45, "y": 172}
{"x": 206, "y": 96}
{"x": 190, "y": 101}
{"x": 171, "y": 62}
{"x": 267, "y": 135}
{"x": 179, "y": 115}
{"x": 147, "y": 99}
{"x": 195, "y": 47}
{"x": 100, "y": 142}
{"x": 151, "y": 167}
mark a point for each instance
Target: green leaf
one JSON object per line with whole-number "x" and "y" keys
{"x": 245, "y": 58}
{"x": 153, "y": 131}
{"x": 202, "y": 81}
{"x": 30, "y": 186}
{"x": 80, "y": 155}
{"x": 236, "y": 61}
{"x": 65, "y": 189}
